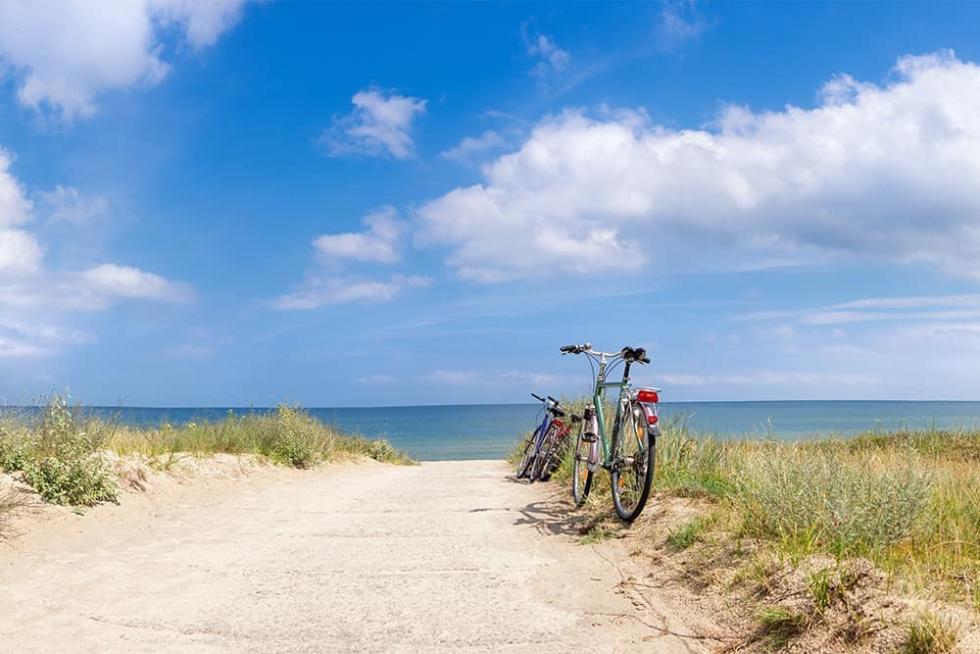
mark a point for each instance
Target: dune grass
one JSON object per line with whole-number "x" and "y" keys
{"x": 909, "y": 501}
{"x": 61, "y": 452}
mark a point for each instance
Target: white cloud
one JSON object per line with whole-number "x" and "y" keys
{"x": 111, "y": 280}
{"x": 320, "y": 292}
{"x": 379, "y": 243}
{"x": 472, "y": 146}
{"x": 65, "y": 52}
{"x": 15, "y": 208}
{"x": 19, "y": 340}
{"x": 903, "y": 309}
{"x": 884, "y": 172}
{"x": 379, "y": 125}
{"x": 203, "y": 21}
{"x": 20, "y": 253}
{"x": 679, "y": 22}
{"x": 551, "y": 58}
{"x": 66, "y": 204}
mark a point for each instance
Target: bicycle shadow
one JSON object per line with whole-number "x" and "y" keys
{"x": 555, "y": 515}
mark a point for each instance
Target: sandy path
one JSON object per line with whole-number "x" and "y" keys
{"x": 449, "y": 556}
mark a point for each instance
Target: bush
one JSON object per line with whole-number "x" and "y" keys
{"x": 814, "y": 500}
{"x": 77, "y": 482}
{"x": 60, "y": 456}
{"x": 294, "y": 438}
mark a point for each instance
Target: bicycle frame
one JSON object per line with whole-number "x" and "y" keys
{"x": 542, "y": 429}
{"x": 598, "y": 394}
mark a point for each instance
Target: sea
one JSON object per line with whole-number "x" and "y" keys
{"x": 489, "y": 431}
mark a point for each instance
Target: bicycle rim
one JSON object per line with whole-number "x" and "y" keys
{"x": 527, "y": 456}
{"x": 541, "y": 460}
{"x": 581, "y": 475}
{"x": 633, "y": 463}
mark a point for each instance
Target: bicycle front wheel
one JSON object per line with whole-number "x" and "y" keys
{"x": 581, "y": 473}
{"x": 527, "y": 456}
{"x": 632, "y": 463}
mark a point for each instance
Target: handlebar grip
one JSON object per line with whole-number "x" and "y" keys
{"x": 645, "y": 360}
{"x": 569, "y": 348}
{"x": 537, "y": 397}
{"x": 554, "y": 400}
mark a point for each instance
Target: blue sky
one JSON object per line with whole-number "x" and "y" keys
{"x": 235, "y": 203}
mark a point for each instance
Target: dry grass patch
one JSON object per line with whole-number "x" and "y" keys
{"x": 65, "y": 454}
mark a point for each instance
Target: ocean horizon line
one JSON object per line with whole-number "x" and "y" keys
{"x": 264, "y": 407}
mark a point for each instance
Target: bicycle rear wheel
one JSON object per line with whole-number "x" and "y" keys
{"x": 632, "y": 463}
{"x": 540, "y": 464}
{"x": 581, "y": 474}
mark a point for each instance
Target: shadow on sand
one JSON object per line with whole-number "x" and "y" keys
{"x": 555, "y": 515}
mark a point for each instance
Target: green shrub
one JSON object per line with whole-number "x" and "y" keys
{"x": 293, "y": 438}
{"x": 815, "y": 500}
{"x": 60, "y": 456}
{"x": 74, "y": 481}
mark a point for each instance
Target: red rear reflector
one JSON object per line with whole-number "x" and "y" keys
{"x": 647, "y": 396}
{"x": 652, "y": 420}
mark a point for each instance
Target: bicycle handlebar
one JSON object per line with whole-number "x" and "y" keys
{"x": 637, "y": 354}
{"x": 546, "y": 399}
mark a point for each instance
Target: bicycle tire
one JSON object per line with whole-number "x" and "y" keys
{"x": 527, "y": 456}
{"x": 581, "y": 475}
{"x": 540, "y": 461}
{"x": 552, "y": 458}
{"x": 632, "y": 473}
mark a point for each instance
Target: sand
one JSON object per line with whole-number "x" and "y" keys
{"x": 447, "y": 556}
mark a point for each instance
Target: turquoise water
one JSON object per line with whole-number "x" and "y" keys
{"x": 489, "y": 431}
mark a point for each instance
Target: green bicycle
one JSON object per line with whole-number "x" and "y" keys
{"x": 629, "y": 454}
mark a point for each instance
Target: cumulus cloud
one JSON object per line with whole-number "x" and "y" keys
{"x": 380, "y": 125}
{"x": 65, "y": 52}
{"x": 473, "y": 146}
{"x": 20, "y": 253}
{"x": 379, "y": 243}
{"x": 550, "y": 58}
{"x": 66, "y": 204}
{"x": 887, "y": 171}
{"x": 15, "y": 208}
{"x": 112, "y": 280}
{"x": 319, "y": 291}
{"x": 35, "y": 299}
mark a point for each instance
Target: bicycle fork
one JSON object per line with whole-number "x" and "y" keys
{"x": 590, "y": 434}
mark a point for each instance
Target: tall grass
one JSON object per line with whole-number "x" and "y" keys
{"x": 60, "y": 451}
{"x": 907, "y": 500}
{"x": 821, "y": 500}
